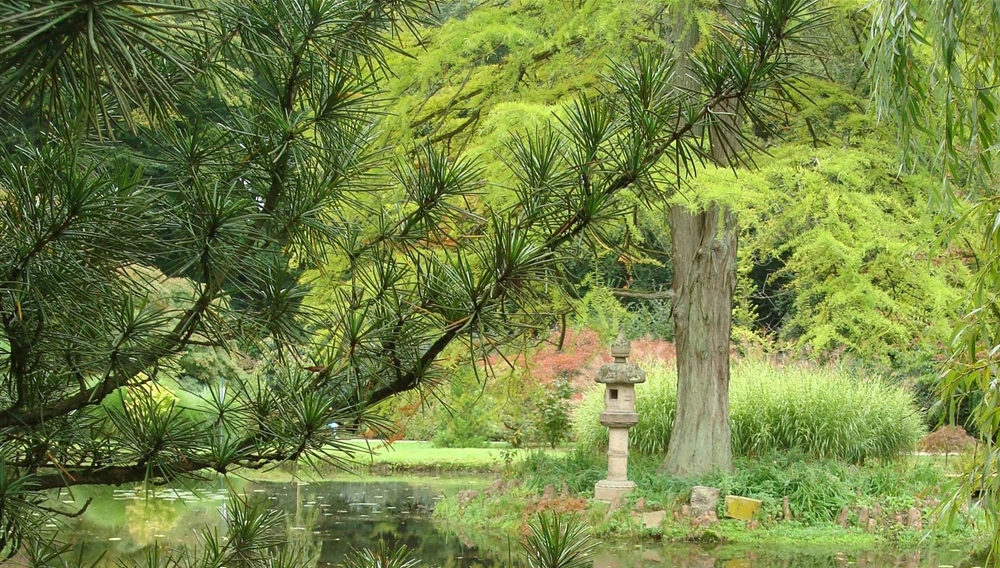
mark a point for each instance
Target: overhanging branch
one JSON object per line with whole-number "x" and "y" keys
{"x": 643, "y": 294}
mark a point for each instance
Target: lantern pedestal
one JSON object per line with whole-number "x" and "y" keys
{"x": 610, "y": 491}
{"x": 619, "y": 415}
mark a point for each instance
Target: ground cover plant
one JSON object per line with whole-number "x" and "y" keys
{"x": 818, "y": 491}
{"x": 825, "y": 412}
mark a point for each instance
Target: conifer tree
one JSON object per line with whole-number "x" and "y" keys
{"x": 231, "y": 145}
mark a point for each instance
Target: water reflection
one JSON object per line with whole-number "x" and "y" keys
{"x": 690, "y": 556}
{"x": 337, "y": 516}
{"x": 360, "y": 514}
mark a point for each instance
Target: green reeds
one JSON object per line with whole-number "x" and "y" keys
{"x": 825, "y": 412}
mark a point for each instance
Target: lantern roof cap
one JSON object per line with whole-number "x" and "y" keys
{"x": 620, "y": 371}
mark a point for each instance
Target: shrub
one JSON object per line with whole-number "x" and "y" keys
{"x": 817, "y": 490}
{"x": 822, "y": 412}
{"x": 947, "y": 440}
{"x": 553, "y": 413}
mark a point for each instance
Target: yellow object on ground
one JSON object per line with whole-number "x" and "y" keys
{"x": 742, "y": 508}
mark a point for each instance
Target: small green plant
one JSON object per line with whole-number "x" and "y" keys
{"x": 558, "y": 541}
{"x": 385, "y": 556}
{"x": 553, "y": 413}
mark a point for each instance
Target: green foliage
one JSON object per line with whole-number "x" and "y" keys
{"x": 19, "y": 512}
{"x": 924, "y": 57}
{"x": 600, "y": 311}
{"x": 850, "y": 244}
{"x": 558, "y": 541}
{"x": 838, "y": 252}
{"x": 466, "y": 426}
{"x": 385, "y": 556}
{"x": 471, "y": 410}
{"x": 208, "y": 366}
{"x": 579, "y": 470}
{"x": 553, "y": 412}
{"x": 819, "y": 411}
{"x": 96, "y": 51}
{"x": 510, "y": 407}
{"x": 822, "y": 412}
{"x": 834, "y": 250}
{"x": 817, "y": 489}
{"x": 506, "y": 67}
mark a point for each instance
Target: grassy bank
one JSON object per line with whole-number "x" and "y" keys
{"x": 817, "y": 491}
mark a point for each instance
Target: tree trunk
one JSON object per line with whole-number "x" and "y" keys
{"x": 704, "y": 261}
{"x": 704, "y": 281}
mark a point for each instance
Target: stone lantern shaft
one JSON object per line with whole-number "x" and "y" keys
{"x": 619, "y": 378}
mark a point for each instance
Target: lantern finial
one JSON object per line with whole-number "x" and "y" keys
{"x": 621, "y": 348}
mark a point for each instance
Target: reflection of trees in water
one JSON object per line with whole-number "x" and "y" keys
{"x": 327, "y": 519}
{"x": 360, "y": 515}
{"x": 150, "y": 520}
{"x": 300, "y": 530}
{"x": 692, "y": 556}
{"x": 124, "y": 524}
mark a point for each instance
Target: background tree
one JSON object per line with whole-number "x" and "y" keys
{"x": 833, "y": 258}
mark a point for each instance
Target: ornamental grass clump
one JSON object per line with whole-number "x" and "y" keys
{"x": 821, "y": 411}
{"x": 825, "y": 412}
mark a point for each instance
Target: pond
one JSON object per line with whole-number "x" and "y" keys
{"x": 338, "y": 515}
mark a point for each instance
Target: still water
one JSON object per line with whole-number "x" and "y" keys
{"x": 338, "y": 515}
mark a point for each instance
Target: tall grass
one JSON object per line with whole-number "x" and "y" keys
{"x": 579, "y": 470}
{"x": 825, "y": 412}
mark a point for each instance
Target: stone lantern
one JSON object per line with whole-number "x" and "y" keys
{"x": 619, "y": 378}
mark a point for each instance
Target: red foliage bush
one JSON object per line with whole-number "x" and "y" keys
{"x": 561, "y": 505}
{"x": 582, "y": 355}
{"x": 947, "y": 439}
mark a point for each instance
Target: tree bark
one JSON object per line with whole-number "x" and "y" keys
{"x": 704, "y": 245}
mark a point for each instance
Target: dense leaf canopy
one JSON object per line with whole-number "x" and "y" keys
{"x": 221, "y": 150}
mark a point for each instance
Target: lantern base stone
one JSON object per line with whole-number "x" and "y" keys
{"x": 607, "y": 490}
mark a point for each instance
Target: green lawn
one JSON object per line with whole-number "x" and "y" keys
{"x": 418, "y": 456}
{"x": 407, "y": 456}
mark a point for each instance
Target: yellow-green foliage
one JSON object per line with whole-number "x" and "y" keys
{"x": 855, "y": 244}
{"x": 826, "y": 412}
{"x": 497, "y": 68}
{"x": 849, "y": 242}
{"x": 846, "y": 241}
